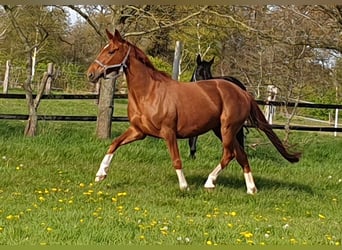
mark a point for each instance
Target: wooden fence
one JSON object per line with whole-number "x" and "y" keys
{"x": 125, "y": 119}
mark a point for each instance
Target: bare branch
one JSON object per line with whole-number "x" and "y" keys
{"x": 163, "y": 25}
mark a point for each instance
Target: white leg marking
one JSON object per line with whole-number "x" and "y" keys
{"x": 251, "y": 188}
{"x": 210, "y": 183}
{"x": 102, "y": 172}
{"x": 183, "y": 185}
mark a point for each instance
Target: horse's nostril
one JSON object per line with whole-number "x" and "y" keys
{"x": 90, "y": 76}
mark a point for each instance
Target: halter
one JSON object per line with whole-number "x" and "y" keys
{"x": 121, "y": 66}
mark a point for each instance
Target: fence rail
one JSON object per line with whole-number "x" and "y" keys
{"x": 125, "y": 119}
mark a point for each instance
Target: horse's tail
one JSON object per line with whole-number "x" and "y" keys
{"x": 258, "y": 119}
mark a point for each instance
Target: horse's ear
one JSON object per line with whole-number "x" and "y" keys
{"x": 117, "y": 36}
{"x": 212, "y": 60}
{"x": 198, "y": 59}
{"x": 109, "y": 35}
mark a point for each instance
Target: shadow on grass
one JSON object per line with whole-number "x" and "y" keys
{"x": 262, "y": 183}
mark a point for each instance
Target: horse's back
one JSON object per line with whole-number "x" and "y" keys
{"x": 202, "y": 106}
{"x": 235, "y": 101}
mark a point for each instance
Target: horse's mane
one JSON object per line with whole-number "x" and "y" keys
{"x": 155, "y": 73}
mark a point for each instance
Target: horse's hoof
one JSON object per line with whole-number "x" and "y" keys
{"x": 100, "y": 178}
{"x": 211, "y": 189}
{"x": 185, "y": 189}
{"x": 252, "y": 191}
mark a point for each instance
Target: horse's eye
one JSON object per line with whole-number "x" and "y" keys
{"x": 111, "y": 52}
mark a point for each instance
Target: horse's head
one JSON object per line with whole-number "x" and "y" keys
{"x": 112, "y": 58}
{"x": 203, "y": 69}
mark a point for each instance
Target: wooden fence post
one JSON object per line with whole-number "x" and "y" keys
{"x": 105, "y": 109}
{"x": 177, "y": 61}
{"x": 270, "y": 109}
{"x": 7, "y": 77}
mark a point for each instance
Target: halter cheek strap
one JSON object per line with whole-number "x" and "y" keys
{"x": 121, "y": 66}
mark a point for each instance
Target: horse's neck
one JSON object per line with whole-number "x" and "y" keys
{"x": 139, "y": 80}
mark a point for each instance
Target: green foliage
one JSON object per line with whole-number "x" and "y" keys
{"x": 71, "y": 78}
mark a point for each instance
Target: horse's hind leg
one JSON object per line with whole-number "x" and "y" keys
{"x": 228, "y": 155}
{"x": 192, "y": 145}
{"x": 241, "y": 158}
{"x": 241, "y": 137}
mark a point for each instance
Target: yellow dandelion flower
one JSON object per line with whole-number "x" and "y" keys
{"x": 81, "y": 220}
{"x": 10, "y": 217}
{"x": 233, "y": 213}
{"x": 230, "y": 225}
{"x": 209, "y": 242}
{"x": 293, "y": 241}
{"x": 82, "y": 185}
{"x": 137, "y": 208}
{"x": 142, "y": 237}
{"x": 122, "y": 194}
{"x": 49, "y": 229}
{"x": 321, "y": 216}
{"x": 247, "y": 234}
{"x": 250, "y": 242}
{"x": 1, "y": 229}
{"x": 17, "y": 168}
{"x": 208, "y": 215}
{"x": 114, "y": 199}
{"x": 41, "y": 198}
{"x": 54, "y": 189}
{"x": 43, "y": 243}
{"x": 337, "y": 243}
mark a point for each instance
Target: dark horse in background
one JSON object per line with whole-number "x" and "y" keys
{"x": 160, "y": 107}
{"x": 203, "y": 72}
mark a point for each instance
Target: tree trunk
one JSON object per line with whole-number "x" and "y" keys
{"x": 105, "y": 109}
{"x": 32, "y": 122}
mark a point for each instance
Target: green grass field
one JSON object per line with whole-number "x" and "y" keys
{"x": 48, "y": 196}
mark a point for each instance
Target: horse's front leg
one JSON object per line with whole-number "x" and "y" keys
{"x": 171, "y": 142}
{"x": 131, "y": 134}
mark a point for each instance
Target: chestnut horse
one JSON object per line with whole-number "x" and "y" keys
{"x": 159, "y": 106}
{"x": 203, "y": 72}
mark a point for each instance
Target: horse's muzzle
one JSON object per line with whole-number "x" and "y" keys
{"x": 92, "y": 77}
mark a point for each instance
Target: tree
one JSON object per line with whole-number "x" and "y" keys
{"x": 31, "y": 25}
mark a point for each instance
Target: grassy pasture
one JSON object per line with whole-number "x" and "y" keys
{"x": 48, "y": 196}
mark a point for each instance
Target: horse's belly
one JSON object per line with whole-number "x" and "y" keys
{"x": 196, "y": 125}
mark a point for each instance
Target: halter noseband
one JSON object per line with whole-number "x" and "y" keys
{"x": 121, "y": 66}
